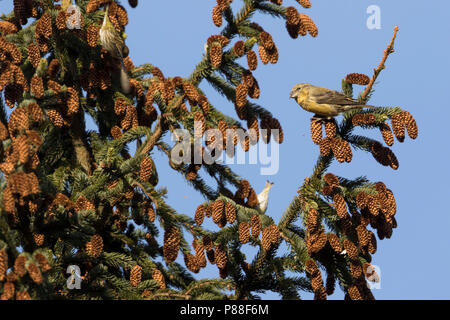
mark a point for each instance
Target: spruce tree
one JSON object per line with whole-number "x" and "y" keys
{"x": 83, "y": 206}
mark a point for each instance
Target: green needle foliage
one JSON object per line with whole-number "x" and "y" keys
{"x": 81, "y": 217}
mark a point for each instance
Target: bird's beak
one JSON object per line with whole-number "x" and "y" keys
{"x": 293, "y": 94}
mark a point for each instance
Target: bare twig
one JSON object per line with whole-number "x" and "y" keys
{"x": 381, "y": 66}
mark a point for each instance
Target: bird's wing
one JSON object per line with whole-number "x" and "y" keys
{"x": 327, "y": 96}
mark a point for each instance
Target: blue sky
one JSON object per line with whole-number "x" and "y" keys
{"x": 171, "y": 35}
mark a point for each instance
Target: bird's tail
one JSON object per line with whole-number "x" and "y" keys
{"x": 124, "y": 81}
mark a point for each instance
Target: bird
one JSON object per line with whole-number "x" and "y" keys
{"x": 263, "y": 197}
{"x": 323, "y": 102}
{"x": 113, "y": 43}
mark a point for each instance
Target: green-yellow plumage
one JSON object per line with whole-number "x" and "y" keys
{"x": 114, "y": 44}
{"x": 323, "y": 102}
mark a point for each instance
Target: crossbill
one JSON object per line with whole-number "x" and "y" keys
{"x": 323, "y": 102}
{"x": 114, "y": 44}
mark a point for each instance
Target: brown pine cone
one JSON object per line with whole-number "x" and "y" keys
{"x": 316, "y": 131}
{"x": 171, "y": 246}
{"x": 151, "y": 214}
{"x": 135, "y": 275}
{"x": 239, "y": 48}
{"x": 331, "y": 180}
{"x": 3, "y": 264}
{"x": 218, "y": 211}
{"x": 146, "y": 169}
{"x": 398, "y": 126}
{"x": 255, "y": 225}
{"x": 159, "y": 278}
{"x": 200, "y": 214}
{"x": 305, "y": 3}
{"x": 34, "y": 55}
{"x": 263, "y": 55}
{"x": 411, "y": 124}
{"x": 352, "y": 250}
{"x": 215, "y": 55}
{"x": 330, "y": 129}
{"x": 200, "y": 255}
{"x": 292, "y": 16}
{"x": 308, "y": 25}
{"x": 97, "y": 245}
{"x": 357, "y": 78}
{"x": 334, "y": 242}
{"x": 38, "y": 239}
{"x": 191, "y": 263}
{"x": 19, "y": 265}
{"x": 230, "y": 213}
{"x": 244, "y": 232}
{"x": 217, "y": 16}
{"x": 386, "y": 132}
{"x": 220, "y": 257}
{"x": 35, "y": 273}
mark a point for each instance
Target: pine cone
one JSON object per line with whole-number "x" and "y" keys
{"x": 252, "y": 60}
{"x": 217, "y": 211}
{"x": 19, "y": 265}
{"x": 43, "y": 261}
{"x": 292, "y": 16}
{"x": 255, "y": 225}
{"x": 252, "y": 201}
{"x": 172, "y": 238}
{"x": 411, "y": 124}
{"x": 93, "y": 35}
{"x": 8, "y": 291}
{"x": 39, "y": 239}
{"x": 3, "y": 264}
{"x": 200, "y": 214}
{"x": 312, "y": 220}
{"x": 239, "y": 48}
{"x": 354, "y": 293}
{"x": 263, "y": 55}
{"x": 386, "y": 132}
{"x": 230, "y": 213}
{"x": 35, "y": 273}
{"x": 241, "y": 95}
{"x": 159, "y": 278}
{"x": 305, "y": 3}
{"x": 311, "y": 268}
{"x": 151, "y": 214}
{"x": 351, "y": 249}
{"x": 334, "y": 242}
{"x": 398, "y": 126}
{"x": 135, "y": 275}
{"x": 146, "y": 169}
{"x": 220, "y": 257}
{"x": 97, "y": 245}
{"x": 341, "y": 207}
{"x": 244, "y": 235}
{"x": 355, "y": 269}
{"x": 200, "y": 255}
{"x": 316, "y": 131}
{"x": 116, "y": 132}
{"x": 34, "y": 55}
{"x": 308, "y": 24}
{"x": 330, "y": 129}
{"x": 215, "y": 55}
{"x": 357, "y": 78}
{"x": 217, "y": 16}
